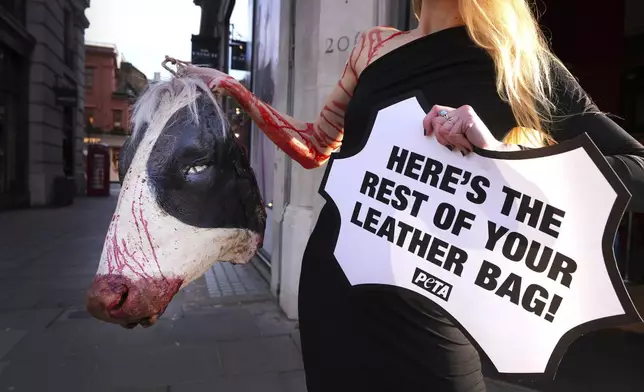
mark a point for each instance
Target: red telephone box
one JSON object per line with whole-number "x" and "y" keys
{"x": 98, "y": 170}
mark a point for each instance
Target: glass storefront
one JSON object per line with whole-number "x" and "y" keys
{"x": 266, "y": 38}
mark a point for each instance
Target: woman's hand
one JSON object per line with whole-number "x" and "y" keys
{"x": 461, "y": 129}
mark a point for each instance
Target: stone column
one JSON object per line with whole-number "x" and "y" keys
{"x": 44, "y": 22}
{"x": 325, "y": 33}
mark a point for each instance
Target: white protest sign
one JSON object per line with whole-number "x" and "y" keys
{"x": 515, "y": 246}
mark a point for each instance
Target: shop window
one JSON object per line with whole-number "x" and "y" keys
{"x": 68, "y": 40}
{"x": 68, "y": 141}
{"x": 14, "y": 7}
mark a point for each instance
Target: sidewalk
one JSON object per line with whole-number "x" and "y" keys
{"x": 224, "y": 332}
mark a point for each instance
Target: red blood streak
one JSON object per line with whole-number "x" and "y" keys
{"x": 333, "y": 111}
{"x": 376, "y": 42}
{"x": 340, "y": 105}
{"x": 353, "y": 62}
{"x": 117, "y": 258}
{"x": 120, "y": 258}
{"x": 344, "y": 89}
{"x": 147, "y": 233}
{"x": 336, "y": 127}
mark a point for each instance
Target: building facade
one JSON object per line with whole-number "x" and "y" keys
{"x": 41, "y": 101}
{"x": 110, "y": 90}
{"x": 299, "y": 49}
{"x": 16, "y": 45}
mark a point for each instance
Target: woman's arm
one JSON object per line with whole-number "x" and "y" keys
{"x": 577, "y": 114}
{"x": 310, "y": 144}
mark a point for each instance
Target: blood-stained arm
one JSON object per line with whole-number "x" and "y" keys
{"x": 310, "y": 144}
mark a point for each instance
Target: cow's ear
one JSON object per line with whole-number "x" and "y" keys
{"x": 124, "y": 163}
{"x": 128, "y": 151}
{"x": 125, "y": 156}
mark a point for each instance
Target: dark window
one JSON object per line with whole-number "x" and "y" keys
{"x": 68, "y": 141}
{"x": 14, "y": 7}
{"x": 69, "y": 41}
{"x": 89, "y": 78}
{"x": 118, "y": 118}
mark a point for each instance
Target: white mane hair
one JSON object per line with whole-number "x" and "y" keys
{"x": 161, "y": 100}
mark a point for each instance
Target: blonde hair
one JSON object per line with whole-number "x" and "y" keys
{"x": 509, "y": 32}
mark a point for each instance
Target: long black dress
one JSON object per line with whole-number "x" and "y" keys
{"x": 363, "y": 339}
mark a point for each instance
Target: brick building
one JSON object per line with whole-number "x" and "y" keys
{"x": 41, "y": 101}
{"x": 110, "y": 89}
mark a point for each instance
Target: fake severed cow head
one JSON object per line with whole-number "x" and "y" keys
{"x": 188, "y": 199}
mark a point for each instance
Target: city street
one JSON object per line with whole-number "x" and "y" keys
{"x": 224, "y": 332}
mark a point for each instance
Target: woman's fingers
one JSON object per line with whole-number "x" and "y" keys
{"x": 441, "y": 129}
{"x": 434, "y": 113}
{"x": 450, "y": 136}
{"x": 427, "y": 125}
{"x": 437, "y": 130}
{"x": 458, "y": 128}
{"x": 457, "y": 137}
{"x": 442, "y": 132}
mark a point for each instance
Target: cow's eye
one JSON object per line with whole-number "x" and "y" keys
{"x": 196, "y": 169}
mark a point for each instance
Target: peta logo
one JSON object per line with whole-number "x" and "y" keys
{"x": 432, "y": 284}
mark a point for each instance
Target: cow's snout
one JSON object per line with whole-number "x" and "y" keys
{"x": 106, "y": 297}
{"x": 120, "y": 300}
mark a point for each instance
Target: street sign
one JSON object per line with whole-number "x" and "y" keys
{"x": 239, "y": 55}
{"x": 205, "y": 51}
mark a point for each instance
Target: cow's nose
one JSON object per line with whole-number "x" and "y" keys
{"x": 120, "y": 300}
{"x": 106, "y": 298}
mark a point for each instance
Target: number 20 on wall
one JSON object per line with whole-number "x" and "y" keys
{"x": 341, "y": 44}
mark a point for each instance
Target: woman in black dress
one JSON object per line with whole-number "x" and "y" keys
{"x": 496, "y": 85}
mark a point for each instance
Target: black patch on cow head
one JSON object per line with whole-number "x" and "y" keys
{"x": 224, "y": 194}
